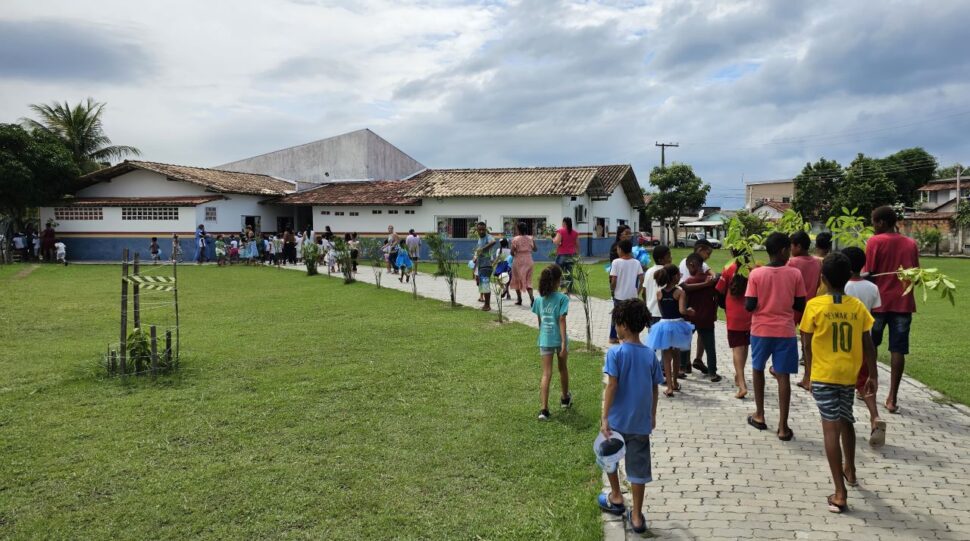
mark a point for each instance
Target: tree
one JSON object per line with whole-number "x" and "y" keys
{"x": 865, "y": 187}
{"x": 680, "y": 191}
{"x": 815, "y": 189}
{"x": 909, "y": 169}
{"x": 951, "y": 171}
{"x": 79, "y": 129}
{"x": 35, "y": 169}
{"x": 750, "y": 224}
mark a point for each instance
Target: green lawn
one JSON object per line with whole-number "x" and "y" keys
{"x": 306, "y": 409}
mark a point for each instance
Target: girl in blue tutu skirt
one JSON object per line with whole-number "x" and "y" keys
{"x": 671, "y": 334}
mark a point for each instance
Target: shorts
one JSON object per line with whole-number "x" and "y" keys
{"x": 783, "y": 353}
{"x": 552, "y": 350}
{"x": 898, "y": 323}
{"x": 637, "y": 458}
{"x": 860, "y": 382}
{"x": 484, "y": 285}
{"x": 834, "y": 401}
{"x": 737, "y": 339}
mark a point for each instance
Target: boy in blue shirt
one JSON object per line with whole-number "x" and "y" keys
{"x": 630, "y": 407}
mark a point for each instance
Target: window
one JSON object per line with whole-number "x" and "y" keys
{"x": 408, "y": 212}
{"x": 77, "y": 213}
{"x": 149, "y": 213}
{"x": 392, "y": 212}
{"x": 210, "y": 214}
{"x": 456, "y": 227}
{"x": 535, "y": 225}
{"x": 325, "y": 212}
{"x": 376, "y": 211}
{"x": 786, "y": 199}
{"x": 338, "y": 213}
{"x": 352, "y": 213}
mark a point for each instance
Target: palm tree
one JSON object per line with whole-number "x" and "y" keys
{"x": 79, "y": 128}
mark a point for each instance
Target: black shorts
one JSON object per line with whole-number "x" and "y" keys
{"x": 898, "y": 323}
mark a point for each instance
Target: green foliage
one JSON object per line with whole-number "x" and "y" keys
{"x": 962, "y": 217}
{"x": 139, "y": 351}
{"x": 908, "y": 170}
{"x": 742, "y": 244}
{"x": 865, "y": 187}
{"x": 310, "y": 254}
{"x": 372, "y": 250}
{"x": 344, "y": 260}
{"x": 849, "y": 229}
{"x": 34, "y": 169}
{"x": 928, "y": 280}
{"x": 446, "y": 259}
{"x": 928, "y": 237}
{"x": 816, "y": 187}
{"x": 790, "y": 222}
{"x": 679, "y": 191}
{"x": 950, "y": 172}
{"x": 751, "y": 224}
{"x": 79, "y": 128}
{"x": 581, "y": 287}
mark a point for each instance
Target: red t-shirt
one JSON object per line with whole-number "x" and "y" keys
{"x": 776, "y": 289}
{"x": 569, "y": 242}
{"x": 738, "y": 319}
{"x": 702, "y": 301}
{"x": 811, "y": 269}
{"x": 886, "y": 252}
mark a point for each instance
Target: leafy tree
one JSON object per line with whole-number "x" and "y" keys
{"x": 951, "y": 171}
{"x": 865, "y": 187}
{"x": 750, "y": 224}
{"x": 80, "y": 129}
{"x": 680, "y": 191}
{"x": 909, "y": 169}
{"x": 815, "y": 189}
{"x": 962, "y": 217}
{"x": 34, "y": 169}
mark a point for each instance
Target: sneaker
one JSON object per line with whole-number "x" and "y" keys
{"x": 544, "y": 415}
{"x": 566, "y": 402}
{"x": 700, "y": 366}
{"x": 716, "y": 378}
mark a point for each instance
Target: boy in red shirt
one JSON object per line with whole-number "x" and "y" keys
{"x": 705, "y": 314}
{"x": 811, "y": 269}
{"x": 775, "y": 292}
{"x": 886, "y": 252}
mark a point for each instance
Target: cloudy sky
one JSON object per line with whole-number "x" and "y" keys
{"x": 751, "y": 90}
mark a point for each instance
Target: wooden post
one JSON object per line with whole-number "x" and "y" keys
{"x": 136, "y": 300}
{"x": 113, "y": 363}
{"x": 124, "y": 311}
{"x": 175, "y": 274}
{"x": 168, "y": 349}
{"x": 154, "y": 352}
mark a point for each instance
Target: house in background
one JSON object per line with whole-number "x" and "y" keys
{"x": 452, "y": 201}
{"x": 770, "y": 210}
{"x": 782, "y": 191}
{"x": 123, "y": 206}
{"x": 712, "y": 222}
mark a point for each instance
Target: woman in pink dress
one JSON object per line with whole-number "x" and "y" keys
{"x": 567, "y": 250}
{"x": 522, "y": 247}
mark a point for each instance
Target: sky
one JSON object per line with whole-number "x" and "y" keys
{"x": 751, "y": 90}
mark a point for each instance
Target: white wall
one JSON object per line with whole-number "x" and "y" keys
{"x": 112, "y": 223}
{"x": 229, "y": 213}
{"x": 142, "y": 183}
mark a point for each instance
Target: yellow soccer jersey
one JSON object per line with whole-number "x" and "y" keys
{"x": 837, "y": 325}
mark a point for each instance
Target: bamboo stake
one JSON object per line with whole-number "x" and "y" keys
{"x": 168, "y": 349}
{"x": 154, "y": 352}
{"x": 113, "y": 364}
{"x": 135, "y": 293}
{"x": 124, "y": 311}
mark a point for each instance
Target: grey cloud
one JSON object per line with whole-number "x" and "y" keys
{"x": 59, "y": 50}
{"x": 310, "y": 67}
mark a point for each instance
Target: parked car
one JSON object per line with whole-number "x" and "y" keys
{"x": 648, "y": 239}
{"x": 691, "y": 239}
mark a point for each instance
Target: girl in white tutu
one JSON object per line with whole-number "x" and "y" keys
{"x": 671, "y": 334}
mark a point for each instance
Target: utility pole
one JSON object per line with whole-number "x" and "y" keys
{"x": 959, "y": 201}
{"x": 663, "y": 165}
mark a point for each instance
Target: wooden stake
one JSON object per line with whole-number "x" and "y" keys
{"x": 154, "y": 352}
{"x": 135, "y": 294}
{"x": 178, "y": 341}
{"x": 124, "y": 311}
{"x": 168, "y": 349}
{"x": 113, "y": 363}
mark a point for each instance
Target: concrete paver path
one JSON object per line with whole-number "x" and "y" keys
{"x": 718, "y": 478}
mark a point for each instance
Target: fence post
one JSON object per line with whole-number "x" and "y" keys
{"x": 175, "y": 276}
{"x": 124, "y": 311}
{"x": 168, "y": 349}
{"x": 154, "y": 352}
{"x": 136, "y": 298}
{"x": 113, "y": 363}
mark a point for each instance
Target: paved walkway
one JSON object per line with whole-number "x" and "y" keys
{"x": 717, "y": 478}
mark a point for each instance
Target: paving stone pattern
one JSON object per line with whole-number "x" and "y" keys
{"x": 717, "y": 478}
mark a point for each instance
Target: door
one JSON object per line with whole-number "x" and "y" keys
{"x": 251, "y": 221}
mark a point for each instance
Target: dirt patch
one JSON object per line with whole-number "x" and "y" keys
{"x": 26, "y": 272}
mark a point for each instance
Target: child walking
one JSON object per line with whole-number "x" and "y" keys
{"x": 551, "y": 309}
{"x": 503, "y": 264}
{"x": 671, "y": 334}
{"x": 220, "y": 251}
{"x": 730, "y": 289}
{"x": 626, "y": 276}
{"x": 404, "y": 262}
{"x": 811, "y": 269}
{"x": 630, "y": 407}
{"x": 775, "y": 292}
{"x": 705, "y": 314}
{"x": 868, "y": 293}
{"x": 155, "y": 251}
{"x": 836, "y": 333}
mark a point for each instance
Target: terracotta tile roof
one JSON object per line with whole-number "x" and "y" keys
{"x": 931, "y": 216}
{"x": 370, "y": 192}
{"x": 777, "y": 205}
{"x": 937, "y": 186}
{"x": 214, "y": 180}
{"x": 189, "y": 201}
{"x": 527, "y": 182}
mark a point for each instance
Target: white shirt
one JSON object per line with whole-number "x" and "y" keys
{"x": 865, "y": 291}
{"x": 651, "y": 288}
{"x": 684, "y": 274}
{"x": 18, "y": 243}
{"x": 61, "y": 249}
{"x": 626, "y": 271}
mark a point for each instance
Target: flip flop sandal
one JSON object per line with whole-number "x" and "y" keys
{"x": 643, "y": 527}
{"x": 850, "y": 483}
{"x": 806, "y": 387}
{"x": 757, "y": 424}
{"x": 669, "y": 394}
{"x": 894, "y": 410}
{"x": 677, "y": 386}
{"x": 836, "y": 508}
{"x": 878, "y": 435}
{"x": 789, "y": 436}
{"x": 609, "y": 507}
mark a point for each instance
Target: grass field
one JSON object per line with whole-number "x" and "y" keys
{"x": 305, "y": 409}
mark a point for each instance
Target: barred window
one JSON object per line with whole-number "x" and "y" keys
{"x": 325, "y": 212}
{"x": 338, "y": 213}
{"x": 392, "y": 212}
{"x": 210, "y": 214}
{"x": 352, "y": 213}
{"x": 77, "y": 213}
{"x": 376, "y": 211}
{"x": 149, "y": 213}
{"x": 408, "y": 212}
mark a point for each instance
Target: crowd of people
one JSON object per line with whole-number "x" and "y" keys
{"x": 44, "y": 247}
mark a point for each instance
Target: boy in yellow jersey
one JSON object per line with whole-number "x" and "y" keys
{"x": 835, "y": 330}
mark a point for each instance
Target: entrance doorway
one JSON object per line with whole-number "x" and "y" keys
{"x": 253, "y": 222}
